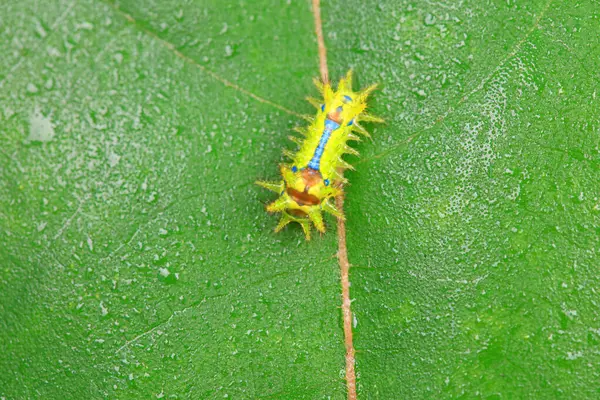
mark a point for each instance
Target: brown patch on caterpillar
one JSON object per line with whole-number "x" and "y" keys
{"x": 297, "y": 213}
{"x": 311, "y": 177}
{"x": 336, "y": 116}
{"x": 303, "y": 198}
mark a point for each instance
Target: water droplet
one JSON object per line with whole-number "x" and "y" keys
{"x": 40, "y": 127}
{"x": 85, "y": 26}
{"x": 429, "y": 19}
{"x": 40, "y": 30}
{"x": 113, "y": 159}
{"x": 118, "y": 57}
{"x": 31, "y": 88}
{"x": 41, "y": 226}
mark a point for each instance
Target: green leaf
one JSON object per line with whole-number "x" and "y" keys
{"x": 138, "y": 260}
{"x": 473, "y": 220}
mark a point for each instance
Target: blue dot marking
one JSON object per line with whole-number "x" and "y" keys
{"x": 351, "y": 122}
{"x": 348, "y": 98}
{"x": 294, "y": 169}
{"x": 322, "y": 107}
{"x": 326, "y": 182}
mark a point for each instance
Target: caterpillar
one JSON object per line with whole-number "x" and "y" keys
{"x": 307, "y": 184}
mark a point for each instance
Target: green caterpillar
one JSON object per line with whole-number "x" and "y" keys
{"x": 307, "y": 183}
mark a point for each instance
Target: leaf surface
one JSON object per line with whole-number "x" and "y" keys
{"x": 473, "y": 219}
{"x": 138, "y": 260}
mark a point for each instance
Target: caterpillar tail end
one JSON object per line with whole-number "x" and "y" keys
{"x": 287, "y": 218}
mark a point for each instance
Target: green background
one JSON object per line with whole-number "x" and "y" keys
{"x": 136, "y": 257}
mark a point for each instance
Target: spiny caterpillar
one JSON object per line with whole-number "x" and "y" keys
{"x": 307, "y": 185}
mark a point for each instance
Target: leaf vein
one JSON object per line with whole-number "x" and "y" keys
{"x": 513, "y": 52}
{"x": 170, "y": 46}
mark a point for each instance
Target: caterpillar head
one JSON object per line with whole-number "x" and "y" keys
{"x": 344, "y": 105}
{"x": 343, "y": 109}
